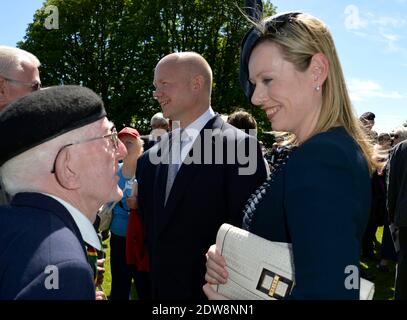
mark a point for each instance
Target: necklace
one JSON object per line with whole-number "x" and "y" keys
{"x": 278, "y": 161}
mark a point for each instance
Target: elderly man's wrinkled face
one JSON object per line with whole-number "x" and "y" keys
{"x": 99, "y": 164}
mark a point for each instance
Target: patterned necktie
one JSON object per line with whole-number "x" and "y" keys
{"x": 175, "y": 163}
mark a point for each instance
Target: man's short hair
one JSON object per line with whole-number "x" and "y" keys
{"x": 11, "y": 59}
{"x": 400, "y": 133}
{"x": 158, "y": 120}
{"x": 242, "y": 120}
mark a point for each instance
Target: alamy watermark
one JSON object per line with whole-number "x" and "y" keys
{"x": 52, "y": 20}
{"x": 353, "y": 20}
{"x": 210, "y": 147}
{"x": 352, "y": 280}
{"x": 52, "y": 280}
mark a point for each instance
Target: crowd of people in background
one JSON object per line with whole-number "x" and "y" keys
{"x": 66, "y": 172}
{"x": 387, "y": 197}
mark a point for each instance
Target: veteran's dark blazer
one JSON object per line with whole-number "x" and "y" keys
{"x": 40, "y": 247}
{"x": 320, "y": 202}
{"x": 203, "y": 197}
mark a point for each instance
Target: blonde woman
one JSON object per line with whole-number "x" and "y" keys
{"x": 318, "y": 195}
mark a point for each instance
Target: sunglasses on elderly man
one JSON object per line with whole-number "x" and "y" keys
{"x": 35, "y": 85}
{"x": 112, "y": 136}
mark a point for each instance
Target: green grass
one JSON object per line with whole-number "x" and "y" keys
{"x": 384, "y": 281}
{"x": 107, "y": 279}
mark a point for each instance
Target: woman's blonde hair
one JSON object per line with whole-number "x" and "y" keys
{"x": 300, "y": 36}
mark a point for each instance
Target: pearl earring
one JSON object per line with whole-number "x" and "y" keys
{"x": 317, "y": 88}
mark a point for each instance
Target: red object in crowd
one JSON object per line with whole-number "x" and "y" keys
{"x": 136, "y": 251}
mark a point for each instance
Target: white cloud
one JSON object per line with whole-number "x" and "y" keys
{"x": 385, "y": 29}
{"x": 361, "y": 90}
{"x": 391, "y": 37}
{"x": 389, "y": 22}
{"x": 391, "y": 41}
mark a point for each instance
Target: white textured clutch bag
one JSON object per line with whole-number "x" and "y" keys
{"x": 260, "y": 269}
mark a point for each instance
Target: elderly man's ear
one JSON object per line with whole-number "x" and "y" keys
{"x": 66, "y": 171}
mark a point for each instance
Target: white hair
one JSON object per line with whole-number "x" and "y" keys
{"x": 12, "y": 59}
{"x": 24, "y": 172}
{"x": 401, "y": 132}
{"x": 158, "y": 120}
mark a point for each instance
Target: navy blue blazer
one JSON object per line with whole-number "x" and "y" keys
{"x": 320, "y": 202}
{"x": 36, "y": 231}
{"x": 202, "y": 197}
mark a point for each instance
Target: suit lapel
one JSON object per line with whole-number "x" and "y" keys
{"x": 160, "y": 180}
{"x": 184, "y": 177}
{"x": 161, "y": 151}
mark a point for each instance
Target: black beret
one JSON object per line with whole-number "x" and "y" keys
{"x": 45, "y": 114}
{"x": 248, "y": 43}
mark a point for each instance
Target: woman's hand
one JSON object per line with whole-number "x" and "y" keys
{"x": 100, "y": 295}
{"x": 211, "y": 294}
{"x": 216, "y": 272}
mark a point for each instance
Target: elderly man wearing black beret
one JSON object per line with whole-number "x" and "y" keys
{"x": 59, "y": 157}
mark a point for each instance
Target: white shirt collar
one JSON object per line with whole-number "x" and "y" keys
{"x": 85, "y": 227}
{"x": 195, "y": 127}
{"x": 192, "y": 131}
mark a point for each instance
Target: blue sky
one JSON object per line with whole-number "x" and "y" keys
{"x": 371, "y": 38}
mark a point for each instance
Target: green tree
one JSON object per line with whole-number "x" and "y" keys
{"x": 112, "y": 47}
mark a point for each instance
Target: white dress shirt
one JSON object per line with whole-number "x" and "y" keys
{"x": 192, "y": 131}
